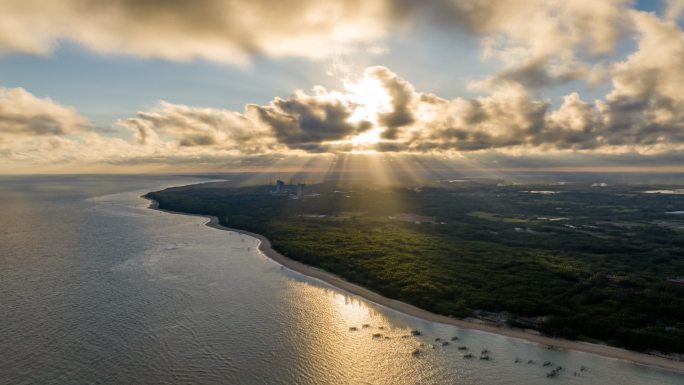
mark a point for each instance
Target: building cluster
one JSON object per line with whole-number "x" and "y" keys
{"x": 297, "y": 191}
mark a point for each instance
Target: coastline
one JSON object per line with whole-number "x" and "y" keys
{"x": 329, "y": 278}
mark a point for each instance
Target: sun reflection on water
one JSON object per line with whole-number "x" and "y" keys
{"x": 352, "y": 342}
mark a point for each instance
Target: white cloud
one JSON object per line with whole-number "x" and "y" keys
{"x": 21, "y": 113}
{"x": 197, "y": 127}
{"x": 646, "y": 104}
{"x": 674, "y": 9}
{"x": 538, "y": 42}
{"x": 221, "y": 30}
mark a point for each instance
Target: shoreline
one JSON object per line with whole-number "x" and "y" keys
{"x": 586, "y": 347}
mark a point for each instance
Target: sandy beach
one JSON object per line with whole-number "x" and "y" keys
{"x": 556, "y": 343}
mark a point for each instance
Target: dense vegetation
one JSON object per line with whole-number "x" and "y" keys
{"x": 587, "y": 263}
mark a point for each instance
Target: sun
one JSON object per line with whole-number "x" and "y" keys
{"x": 369, "y": 137}
{"x": 370, "y": 98}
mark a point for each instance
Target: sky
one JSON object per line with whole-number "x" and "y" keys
{"x": 229, "y": 85}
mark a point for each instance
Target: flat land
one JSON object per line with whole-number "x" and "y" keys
{"x": 599, "y": 273}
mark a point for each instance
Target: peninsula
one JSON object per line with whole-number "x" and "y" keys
{"x": 469, "y": 256}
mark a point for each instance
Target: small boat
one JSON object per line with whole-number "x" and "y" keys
{"x": 468, "y": 355}
{"x": 437, "y": 339}
{"x": 454, "y": 338}
{"x": 381, "y": 327}
{"x": 365, "y": 326}
{"x": 353, "y": 329}
{"x": 517, "y": 360}
{"x": 445, "y": 343}
{"x": 554, "y": 372}
{"x": 377, "y": 335}
{"x": 415, "y": 332}
{"x": 484, "y": 357}
{"x": 547, "y": 363}
{"x": 415, "y": 352}
{"x": 484, "y": 351}
{"x": 462, "y": 348}
{"x": 529, "y": 362}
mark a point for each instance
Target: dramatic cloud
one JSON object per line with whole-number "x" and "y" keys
{"x": 540, "y": 26}
{"x": 304, "y": 121}
{"x": 379, "y": 112}
{"x": 402, "y": 96}
{"x": 221, "y": 30}
{"x": 538, "y": 44}
{"x": 233, "y": 30}
{"x": 21, "y": 113}
{"x": 646, "y": 105}
{"x": 188, "y": 127}
{"x": 507, "y": 118}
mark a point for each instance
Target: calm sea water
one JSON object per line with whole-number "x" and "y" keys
{"x": 97, "y": 289}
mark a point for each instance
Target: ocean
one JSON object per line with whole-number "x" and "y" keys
{"x": 96, "y": 288}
